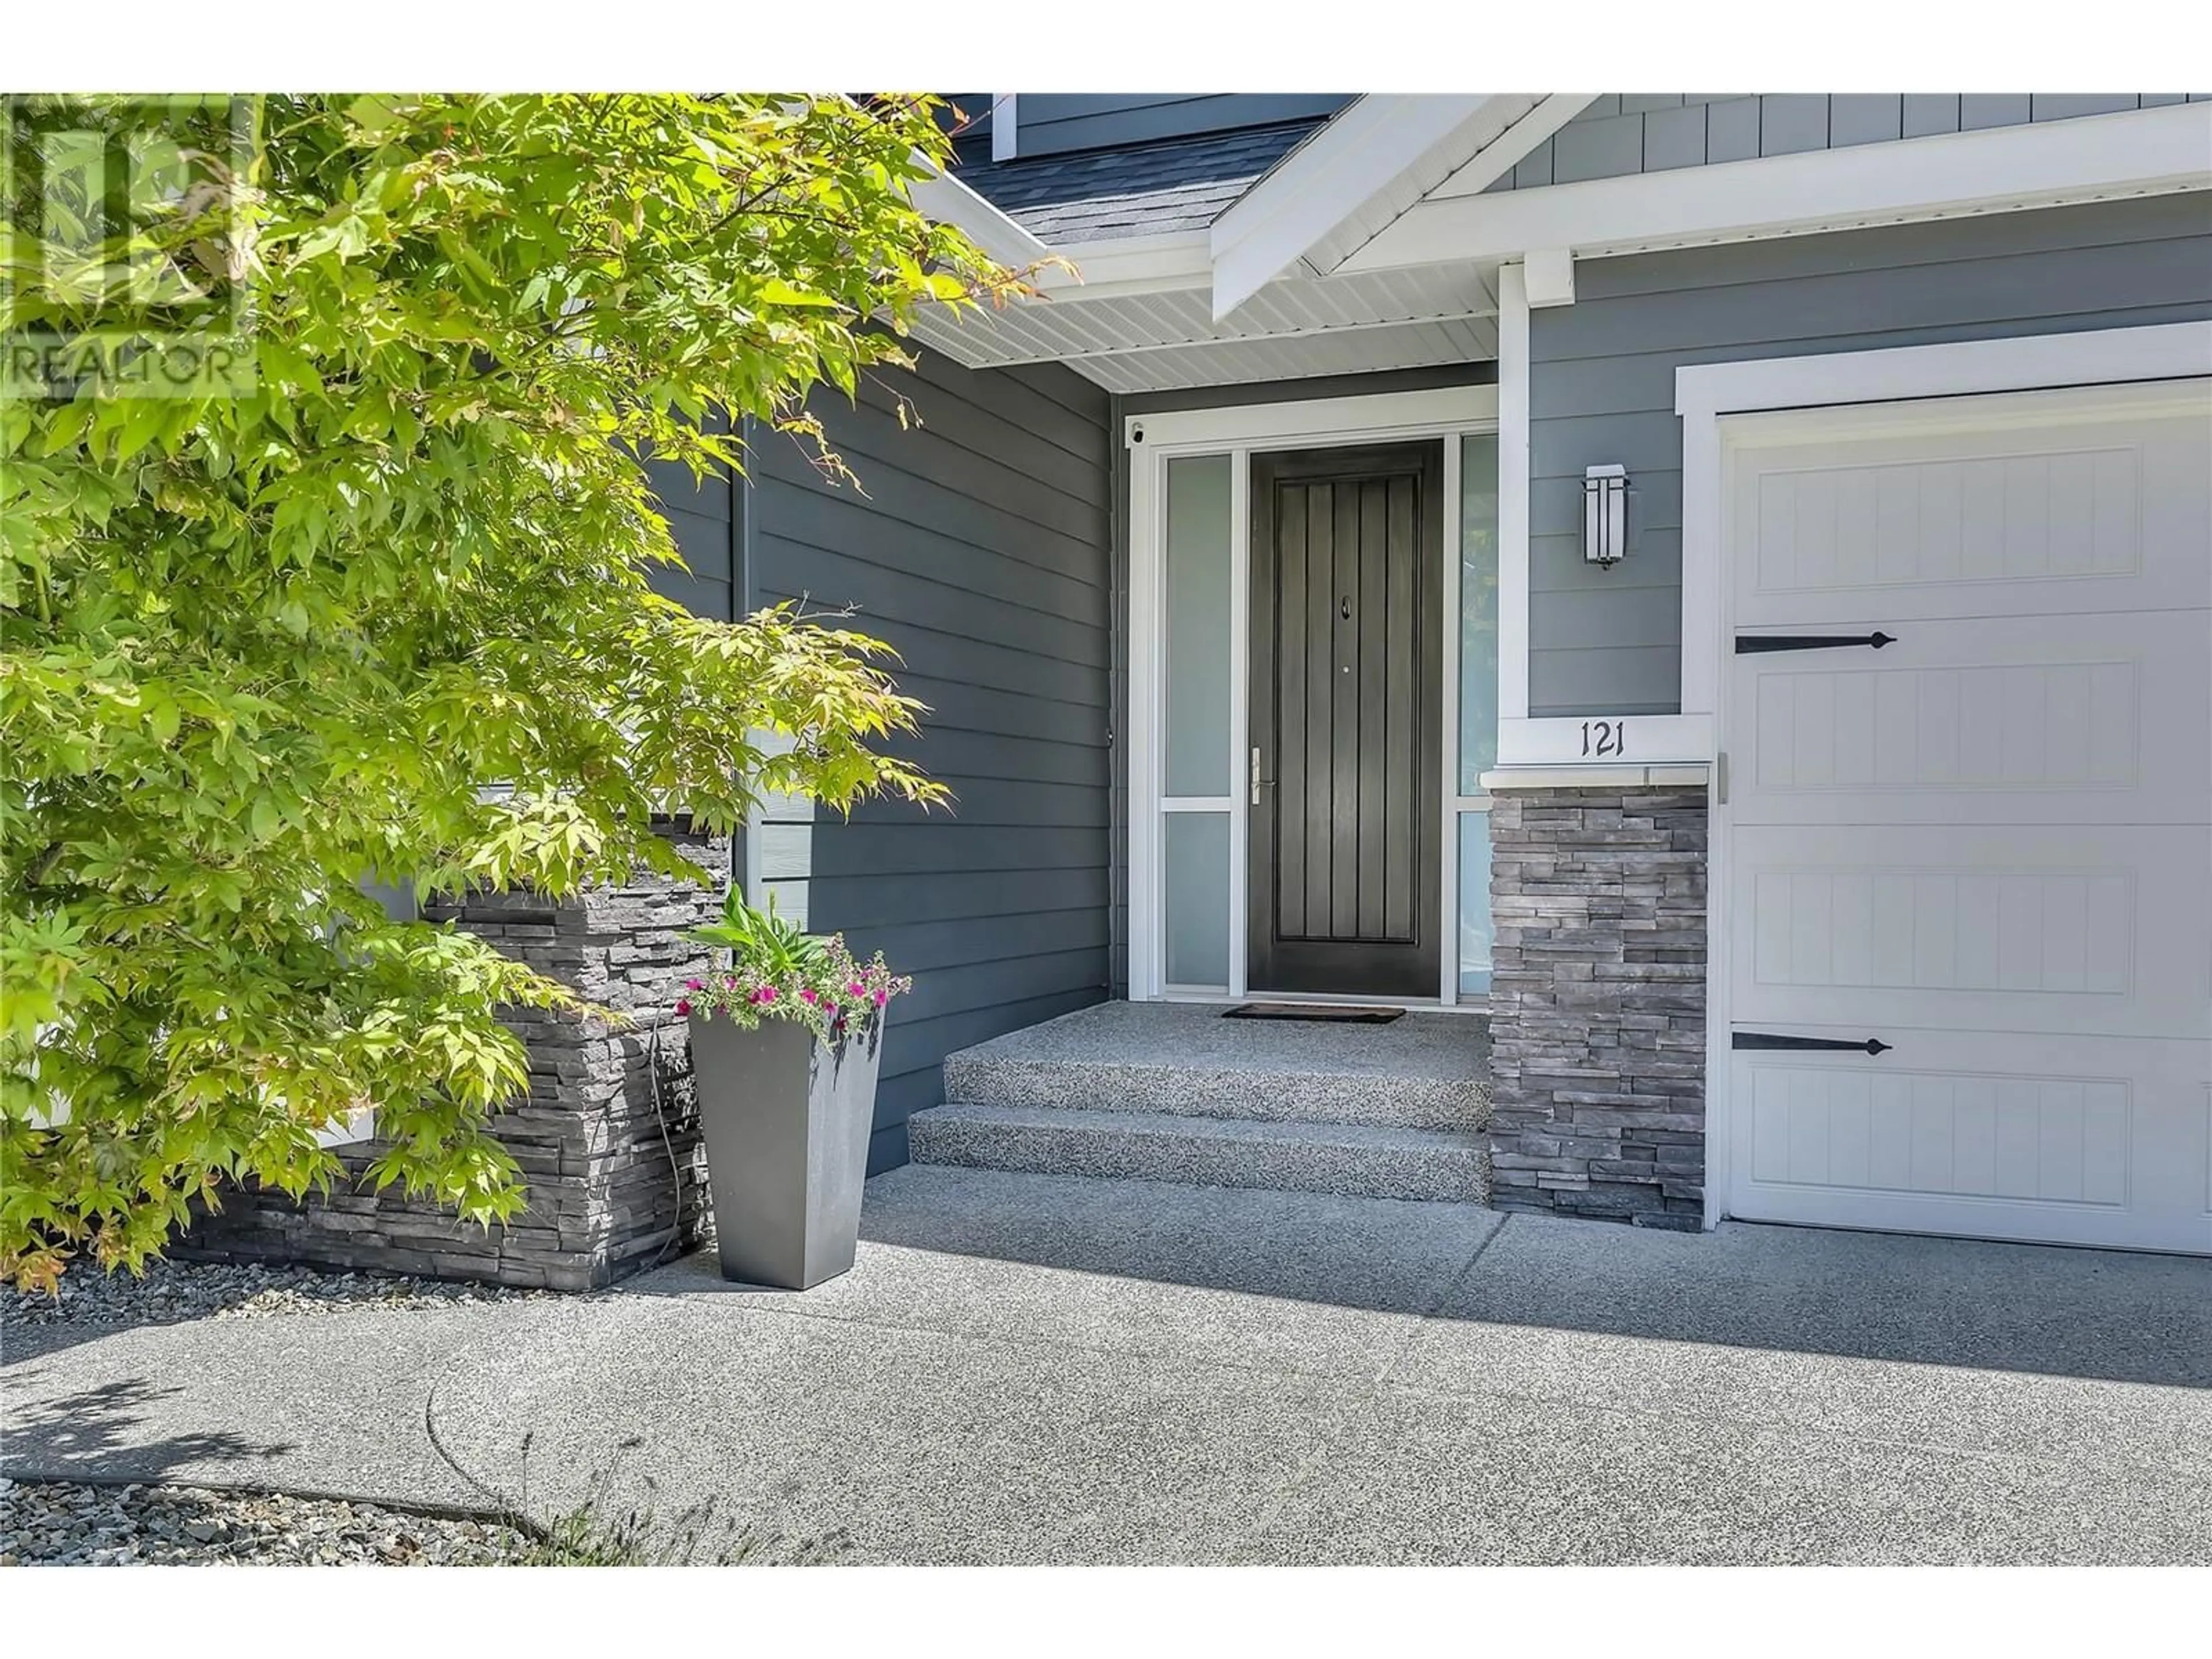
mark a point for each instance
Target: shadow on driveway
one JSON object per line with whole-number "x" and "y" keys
{"x": 2035, "y": 1309}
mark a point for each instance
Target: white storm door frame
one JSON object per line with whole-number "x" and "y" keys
{"x": 1448, "y": 413}
{"x": 1704, "y": 395}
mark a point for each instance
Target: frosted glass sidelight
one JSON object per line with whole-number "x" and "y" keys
{"x": 1478, "y": 609}
{"x": 1475, "y": 929}
{"x": 1198, "y": 626}
{"x": 1197, "y": 893}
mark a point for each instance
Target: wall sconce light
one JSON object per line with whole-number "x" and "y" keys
{"x": 1605, "y": 515}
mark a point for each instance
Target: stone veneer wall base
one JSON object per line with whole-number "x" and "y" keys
{"x": 608, "y": 1137}
{"x": 1597, "y": 1003}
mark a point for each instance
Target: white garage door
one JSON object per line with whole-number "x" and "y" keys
{"x": 1969, "y": 722}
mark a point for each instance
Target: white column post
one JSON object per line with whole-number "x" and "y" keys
{"x": 1512, "y": 493}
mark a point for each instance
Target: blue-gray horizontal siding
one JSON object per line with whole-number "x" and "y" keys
{"x": 1050, "y": 124}
{"x": 702, "y": 519}
{"x": 977, "y": 545}
{"x": 1624, "y": 133}
{"x": 1601, "y": 385}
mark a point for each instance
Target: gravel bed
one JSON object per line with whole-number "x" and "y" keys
{"x": 48, "y": 1524}
{"x": 192, "y": 1289}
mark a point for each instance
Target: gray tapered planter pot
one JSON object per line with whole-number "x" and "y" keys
{"x": 787, "y": 1119}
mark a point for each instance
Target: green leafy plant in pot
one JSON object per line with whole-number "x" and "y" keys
{"x": 786, "y": 1039}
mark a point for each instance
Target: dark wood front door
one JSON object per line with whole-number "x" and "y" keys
{"x": 1347, "y": 601}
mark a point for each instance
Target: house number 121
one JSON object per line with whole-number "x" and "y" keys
{"x": 1604, "y": 738}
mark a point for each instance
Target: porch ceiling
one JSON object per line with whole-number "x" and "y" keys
{"x": 1164, "y": 335}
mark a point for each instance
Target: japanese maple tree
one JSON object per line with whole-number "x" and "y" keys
{"x": 377, "y": 607}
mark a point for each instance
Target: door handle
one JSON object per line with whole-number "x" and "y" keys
{"x": 1259, "y": 782}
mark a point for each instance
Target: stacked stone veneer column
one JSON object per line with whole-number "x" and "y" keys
{"x": 608, "y": 1137}
{"x": 1598, "y": 1003}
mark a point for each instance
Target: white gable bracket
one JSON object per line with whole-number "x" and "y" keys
{"x": 1323, "y": 183}
{"x": 1551, "y": 276}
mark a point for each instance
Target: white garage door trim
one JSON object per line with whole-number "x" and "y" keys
{"x": 1705, "y": 393}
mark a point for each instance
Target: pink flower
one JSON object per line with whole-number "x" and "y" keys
{"x": 882, "y": 997}
{"x": 856, "y": 988}
{"x": 730, "y": 981}
{"x": 684, "y": 1004}
{"x": 807, "y": 994}
{"x": 766, "y": 994}
{"x": 694, "y": 985}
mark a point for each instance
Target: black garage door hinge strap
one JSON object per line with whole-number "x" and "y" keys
{"x": 1751, "y": 644}
{"x": 1783, "y": 1040}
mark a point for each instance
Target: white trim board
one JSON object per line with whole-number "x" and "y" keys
{"x": 1836, "y": 388}
{"x": 1315, "y": 422}
{"x": 2162, "y": 351}
{"x": 2044, "y": 164}
{"x": 1695, "y": 774}
{"x": 1447, "y": 761}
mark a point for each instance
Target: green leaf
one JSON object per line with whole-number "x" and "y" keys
{"x": 281, "y": 365}
{"x": 777, "y": 291}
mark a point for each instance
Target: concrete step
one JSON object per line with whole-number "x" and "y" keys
{"x": 1423, "y": 1071}
{"x": 1358, "y": 1160}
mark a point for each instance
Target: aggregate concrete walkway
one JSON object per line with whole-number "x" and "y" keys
{"x": 1027, "y": 1368}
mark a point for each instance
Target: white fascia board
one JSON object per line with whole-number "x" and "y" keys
{"x": 1337, "y": 170}
{"x": 1127, "y": 265}
{"x": 1494, "y": 161}
{"x": 2045, "y": 164}
{"x": 945, "y": 199}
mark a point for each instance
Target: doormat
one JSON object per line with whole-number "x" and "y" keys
{"x": 1335, "y": 1014}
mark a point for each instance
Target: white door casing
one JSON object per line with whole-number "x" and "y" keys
{"x": 1987, "y": 842}
{"x": 1239, "y": 431}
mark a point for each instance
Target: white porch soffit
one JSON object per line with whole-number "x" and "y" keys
{"x": 1152, "y": 314}
{"x": 1161, "y": 335}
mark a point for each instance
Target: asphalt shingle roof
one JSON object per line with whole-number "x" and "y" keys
{"x": 1097, "y": 196}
